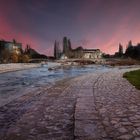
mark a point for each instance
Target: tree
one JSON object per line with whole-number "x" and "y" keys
{"x": 69, "y": 45}
{"x": 27, "y": 48}
{"x": 120, "y": 50}
{"x": 56, "y": 50}
{"x": 14, "y": 58}
{"x": 129, "y": 50}
{"x": 14, "y": 41}
{"x": 129, "y": 44}
{"x": 25, "y": 58}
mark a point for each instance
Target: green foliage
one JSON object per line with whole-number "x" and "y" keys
{"x": 133, "y": 77}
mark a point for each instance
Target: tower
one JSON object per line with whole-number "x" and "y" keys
{"x": 120, "y": 50}
{"x": 57, "y": 51}
{"x": 67, "y": 47}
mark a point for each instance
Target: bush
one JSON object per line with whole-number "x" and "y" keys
{"x": 14, "y": 58}
{"x": 24, "y": 58}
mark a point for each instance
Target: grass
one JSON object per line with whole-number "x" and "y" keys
{"x": 133, "y": 77}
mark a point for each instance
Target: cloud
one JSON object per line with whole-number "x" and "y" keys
{"x": 91, "y": 23}
{"x": 106, "y": 23}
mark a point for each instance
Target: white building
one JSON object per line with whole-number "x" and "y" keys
{"x": 63, "y": 56}
{"x": 92, "y": 54}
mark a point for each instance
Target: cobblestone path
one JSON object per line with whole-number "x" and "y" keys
{"x": 98, "y": 106}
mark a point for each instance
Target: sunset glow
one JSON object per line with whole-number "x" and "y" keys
{"x": 99, "y": 24}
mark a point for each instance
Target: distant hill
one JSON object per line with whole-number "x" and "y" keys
{"x": 33, "y": 53}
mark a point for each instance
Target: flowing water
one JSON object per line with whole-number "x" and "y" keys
{"x": 16, "y": 84}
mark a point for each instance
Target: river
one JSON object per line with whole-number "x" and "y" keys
{"x": 18, "y": 83}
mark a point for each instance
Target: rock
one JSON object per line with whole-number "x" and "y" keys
{"x": 137, "y": 138}
{"x": 125, "y": 137}
{"x": 122, "y": 130}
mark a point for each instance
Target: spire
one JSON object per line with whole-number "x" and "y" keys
{"x": 65, "y": 45}
{"x": 120, "y": 49}
{"x": 56, "y": 50}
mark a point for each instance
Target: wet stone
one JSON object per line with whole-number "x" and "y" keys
{"x": 122, "y": 130}
{"x": 125, "y": 137}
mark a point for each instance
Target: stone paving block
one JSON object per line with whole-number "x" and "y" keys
{"x": 73, "y": 110}
{"x": 87, "y": 128}
{"x": 85, "y": 100}
{"x": 85, "y": 103}
{"x": 85, "y": 115}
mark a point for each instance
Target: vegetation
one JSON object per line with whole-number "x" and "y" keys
{"x": 33, "y": 54}
{"x": 133, "y": 51}
{"x": 14, "y": 41}
{"x": 122, "y": 62}
{"x": 24, "y": 58}
{"x": 14, "y": 58}
{"x": 133, "y": 77}
{"x": 15, "y": 54}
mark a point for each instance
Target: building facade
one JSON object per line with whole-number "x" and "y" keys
{"x": 92, "y": 54}
{"x": 79, "y": 52}
{"x": 9, "y": 51}
{"x": 11, "y": 47}
{"x": 57, "y": 51}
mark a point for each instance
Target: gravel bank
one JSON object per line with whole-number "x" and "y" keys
{"x": 15, "y": 67}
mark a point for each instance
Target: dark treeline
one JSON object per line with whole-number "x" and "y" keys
{"x": 33, "y": 54}
{"x": 133, "y": 51}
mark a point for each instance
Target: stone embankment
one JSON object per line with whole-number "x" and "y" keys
{"x": 98, "y": 106}
{"x": 17, "y": 66}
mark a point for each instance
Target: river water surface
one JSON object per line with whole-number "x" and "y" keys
{"x": 18, "y": 83}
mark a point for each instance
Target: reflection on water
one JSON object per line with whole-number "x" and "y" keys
{"x": 15, "y": 84}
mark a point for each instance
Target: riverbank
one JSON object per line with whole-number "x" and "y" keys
{"x": 121, "y": 62}
{"x": 18, "y": 83}
{"x": 133, "y": 77}
{"x": 17, "y": 66}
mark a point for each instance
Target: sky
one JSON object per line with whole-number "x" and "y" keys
{"x": 96, "y": 24}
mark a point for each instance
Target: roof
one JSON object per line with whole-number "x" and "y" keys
{"x": 91, "y": 50}
{"x": 3, "y": 42}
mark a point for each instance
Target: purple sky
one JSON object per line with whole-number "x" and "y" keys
{"x": 99, "y": 24}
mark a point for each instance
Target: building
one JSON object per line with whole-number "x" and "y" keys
{"x": 57, "y": 51}
{"x": 11, "y": 47}
{"x": 92, "y": 54}
{"x": 77, "y": 53}
{"x": 9, "y": 51}
{"x": 63, "y": 56}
